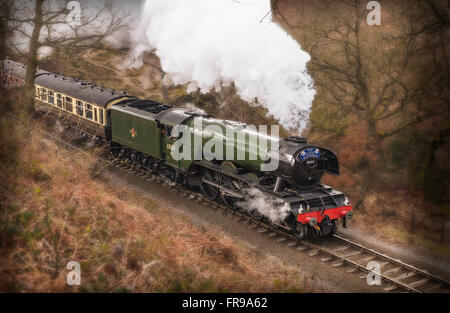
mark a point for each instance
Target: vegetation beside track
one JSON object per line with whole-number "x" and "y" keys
{"x": 57, "y": 207}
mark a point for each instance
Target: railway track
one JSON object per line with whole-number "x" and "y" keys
{"x": 395, "y": 275}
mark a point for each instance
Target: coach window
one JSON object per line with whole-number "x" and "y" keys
{"x": 59, "y": 100}
{"x": 100, "y": 115}
{"x": 51, "y": 97}
{"x": 95, "y": 115}
{"x": 69, "y": 106}
{"x": 88, "y": 110}
{"x": 44, "y": 94}
{"x": 79, "y": 107}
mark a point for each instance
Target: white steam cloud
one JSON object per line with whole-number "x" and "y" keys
{"x": 276, "y": 210}
{"x": 208, "y": 44}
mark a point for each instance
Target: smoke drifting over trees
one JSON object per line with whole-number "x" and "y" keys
{"x": 212, "y": 44}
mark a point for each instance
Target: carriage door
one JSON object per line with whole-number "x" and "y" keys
{"x": 169, "y": 140}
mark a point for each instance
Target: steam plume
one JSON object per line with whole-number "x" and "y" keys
{"x": 212, "y": 43}
{"x": 276, "y": 210}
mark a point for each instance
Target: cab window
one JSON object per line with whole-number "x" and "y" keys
{"x": 176, "y": 131}
{"x": 168, "y": 131}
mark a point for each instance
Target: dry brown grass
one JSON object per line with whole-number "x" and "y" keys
{"x": 56, "y": 207}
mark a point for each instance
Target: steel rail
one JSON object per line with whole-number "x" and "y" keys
{"x": 394, "y": 261}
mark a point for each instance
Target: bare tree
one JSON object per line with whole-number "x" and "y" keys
{"x": 6, "y": 8}
{"x": 370, "y": 73}
{"x": 394, "y": 78}
{"x": 45, "y": 26}
{"x": 432, "y": 26}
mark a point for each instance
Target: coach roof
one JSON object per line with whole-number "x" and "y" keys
{"x": 78, "y": 89}
{"x": 16, "y": 69}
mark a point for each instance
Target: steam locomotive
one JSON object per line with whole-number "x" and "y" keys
{"x": 144, "y": 132}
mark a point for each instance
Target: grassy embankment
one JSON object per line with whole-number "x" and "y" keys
{"x": 57, "y": 207}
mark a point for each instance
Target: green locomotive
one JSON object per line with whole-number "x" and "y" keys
{"x": 147, "y": 134}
